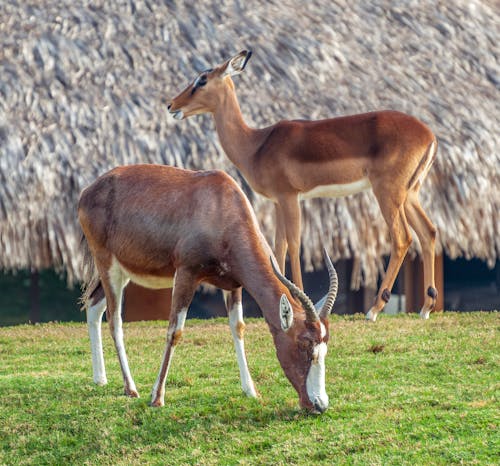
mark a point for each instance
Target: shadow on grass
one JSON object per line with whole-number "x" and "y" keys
{"x": 186, "y": 415}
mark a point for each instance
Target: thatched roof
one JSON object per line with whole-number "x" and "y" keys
{"x": 83, "y": 84}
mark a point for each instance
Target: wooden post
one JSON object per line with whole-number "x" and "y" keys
{"x": 358, "y": 301}
{"x": 414, "y": 287}
{"x": 34, "y": 297}
{"x": 439, "y": 277}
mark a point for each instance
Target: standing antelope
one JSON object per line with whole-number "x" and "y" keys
{"x": 164, "y": 227}
{"x": 387, "y": 151}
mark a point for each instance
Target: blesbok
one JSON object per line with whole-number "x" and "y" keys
{"x": 165, "y": 227}
{"x": 387, "y": 151}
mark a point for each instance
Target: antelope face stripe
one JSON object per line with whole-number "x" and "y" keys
{"x": 315, "y": 383}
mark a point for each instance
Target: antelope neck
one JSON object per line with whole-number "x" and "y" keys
{"x": 268, "y": 299}
{"x": 239, "y": 141}
{"x": 257, "y": 277}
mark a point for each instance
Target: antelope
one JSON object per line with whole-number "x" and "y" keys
{"x": 165, "y": 227}
{"x": 387, "y": 151}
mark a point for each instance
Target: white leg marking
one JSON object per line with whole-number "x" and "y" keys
{"x": 94, "y": 319}
{"x": 120, "y": 348}
{"x": 428, "y": 163}
{"x": 315, "y": 383}
{"x": 118, "y": 282}
{"x": 159, "y": 386}
{"x": 237, "y": 326}
{"x": 424, "y": 314}
{"x": 370, "y": 315}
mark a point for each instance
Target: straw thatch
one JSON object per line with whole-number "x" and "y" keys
{"x": 83, "y": 87}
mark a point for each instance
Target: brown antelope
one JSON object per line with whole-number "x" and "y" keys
{"x": 165, "y": 227}
{"x": 387, "y": 151}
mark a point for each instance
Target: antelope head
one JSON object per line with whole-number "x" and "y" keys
{"x": 202, "y": 94}
{"x": 302, "y": 345}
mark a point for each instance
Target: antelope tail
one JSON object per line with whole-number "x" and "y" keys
{"x": 91, "y": 280}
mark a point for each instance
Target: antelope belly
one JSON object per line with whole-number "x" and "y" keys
{"x": 149, "y": 281}
{"x": 337, "y": 190}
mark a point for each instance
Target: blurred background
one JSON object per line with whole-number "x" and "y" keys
{"x": 84, "y": 86}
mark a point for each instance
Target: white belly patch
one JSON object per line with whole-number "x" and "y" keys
{"x": 148, "y": 281}
{"x": 337, "y": 190}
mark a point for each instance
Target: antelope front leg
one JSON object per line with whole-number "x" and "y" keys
{"x": 235, "y": 312}
{"x": 280, "y": 245}
{"x": 182, "y": 295}
{"x": 290, "y": 209}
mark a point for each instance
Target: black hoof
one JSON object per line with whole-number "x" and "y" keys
{"x": 432, "y": 292}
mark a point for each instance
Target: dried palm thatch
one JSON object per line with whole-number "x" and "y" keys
{"x": 83, "y": 84}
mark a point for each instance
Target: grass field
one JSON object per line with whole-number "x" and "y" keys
{"x": 402, "y": 391}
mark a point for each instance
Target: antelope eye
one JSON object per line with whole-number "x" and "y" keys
{"x": 201, "y": 80}
{"x": 305, "y": 344}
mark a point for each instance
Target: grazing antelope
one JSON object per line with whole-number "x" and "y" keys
{"x": 164, "y": 227}
{"x": 387, "y": 151}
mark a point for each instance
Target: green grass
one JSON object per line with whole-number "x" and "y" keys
{"x": 402, "y": 391}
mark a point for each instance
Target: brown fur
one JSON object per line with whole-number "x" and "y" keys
{"x": 240, "y": 328}
{"x": 177, "y": 337}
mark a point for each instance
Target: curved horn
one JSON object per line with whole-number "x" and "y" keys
{"x": 296, "y": 292}
{"x": 332, "y": 289}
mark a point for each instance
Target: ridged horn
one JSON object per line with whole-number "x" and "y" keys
{"x": 332, "y": 289}
{"x": 296, "y": 292}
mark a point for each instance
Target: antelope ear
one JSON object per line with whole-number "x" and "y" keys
{"x": 286, "y": 313}
{"x": 237, "y": 64}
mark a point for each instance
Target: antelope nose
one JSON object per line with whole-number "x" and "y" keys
{"x": 169, "y": 106}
